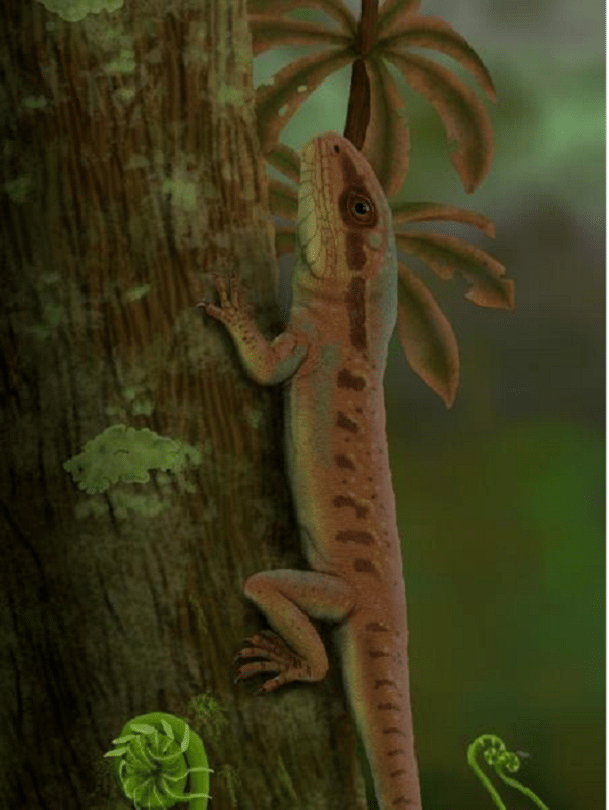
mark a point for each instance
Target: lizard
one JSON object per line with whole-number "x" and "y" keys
{"x": 331, "y": 360}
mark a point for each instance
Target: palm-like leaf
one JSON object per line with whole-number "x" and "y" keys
{"x": 270, "y": 31}
{"x": 399, "y": 26}
{"x": 333, "y": 8}
{"x": 387, "y": 139}
{"x": 390, "y": 9}
{"x": 428, "y": 211}
{"x": 285, "y": 239}
{"x": 425, "y": 333}
{"x": 277, "y": 103}
{"x": 463, "y": 115}
{"x": 413, "y": 30}
{"x": 283, "y": 199}
{"x": 426, "y": 336}
{"x": 447, "y": 254}
{"x": 286, "y": 160}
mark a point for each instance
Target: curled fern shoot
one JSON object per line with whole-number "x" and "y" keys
{"x": 496, "y": 754}
{"x": 155, "y": 755}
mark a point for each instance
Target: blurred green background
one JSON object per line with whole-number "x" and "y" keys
{"x": 501, "y": 499}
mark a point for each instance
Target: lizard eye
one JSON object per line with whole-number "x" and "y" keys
{"x": 361, "y": 208}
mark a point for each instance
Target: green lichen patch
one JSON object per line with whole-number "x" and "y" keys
{"x": 132, "y": 391}
{"x": 34, "y": 102}
{"x": 210, "y": 715}
{"x": 124, "y": 62}
{"x": 50, "y": 278}
{"x": 253, "y": 416}
{"x": 125, "y": 454}
{"x": 137, "y": 162}
{"x": 17, "y": 189}
{"x": 286, "y": 779}
{"x": 230, "y": 95}
{"x": 52, "y": 316}
{"x": 124, "y": 94}
{"x": 142, "y": 407}
{"x": 125, "y": 504}
{"x": 95, "y": 507}
{"x": 135, "y": 293}
{"x": 228, "y": 774}
{"x": 76, "y": 10}
{"x": 183, "y": 192}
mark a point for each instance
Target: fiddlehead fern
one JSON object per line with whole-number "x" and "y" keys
{"x": 156, "y": 754}
{"x": 496, "y": 754}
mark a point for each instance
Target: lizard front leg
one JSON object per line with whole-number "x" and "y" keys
{"x": 267, "y": 362}
{"x": 288, "y": 598}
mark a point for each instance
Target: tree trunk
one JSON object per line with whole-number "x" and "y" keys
{"x": 130, "y": 173}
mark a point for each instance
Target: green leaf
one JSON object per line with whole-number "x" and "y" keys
{"x": 286, "y": 160}
{"x": 285, "y": 239}
{"x": 427, "y": 211}
{"x": 414, "y": 30}
{"x": 270, "y": 31}
{"x": 387, "y": 138}
{"x": 390, "y": 8}
{"x": 463, "y": 115}
{"x": 426, "y": 336}
{"x": 333, "y": 8}
{"x": 117, "y": 752}
{"x": 445, "y": 254}
{"x": 283, "y": 199}
{"x": 276, "y": 103}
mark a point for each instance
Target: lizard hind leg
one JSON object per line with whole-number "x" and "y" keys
{"x": 293, "y": 648}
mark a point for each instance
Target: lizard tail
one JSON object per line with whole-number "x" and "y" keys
{"x": 377, "y": 687}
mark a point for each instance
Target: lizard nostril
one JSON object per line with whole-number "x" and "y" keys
{"x": 336, "y": 148}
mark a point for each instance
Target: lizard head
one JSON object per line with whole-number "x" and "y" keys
{"x": 344, "y": 220}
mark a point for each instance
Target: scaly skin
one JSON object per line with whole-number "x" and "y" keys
{"x": 332, "y": 358}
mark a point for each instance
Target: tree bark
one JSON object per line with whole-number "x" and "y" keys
{"x": 130, "y": 173}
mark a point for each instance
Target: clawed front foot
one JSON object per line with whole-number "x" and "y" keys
{"x": 231, "y": 312}
{"x": 277, "y": 657}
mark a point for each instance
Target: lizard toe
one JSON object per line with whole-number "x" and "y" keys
{"x": 256, "y": 668}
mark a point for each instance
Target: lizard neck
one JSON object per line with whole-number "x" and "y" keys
{"x": 363, "y": 308}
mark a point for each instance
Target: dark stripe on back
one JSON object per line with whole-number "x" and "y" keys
{"x": 364, "y": 567}
{"x": 344, "y": 500}
{"x": 355, "y": 300}
{"x": 343, "y": 421}
{"x": 356, "y": 255}
{"x": 344, "y": 461}
{"x": 353, "y": 536}
{"x": 345, "y": 379}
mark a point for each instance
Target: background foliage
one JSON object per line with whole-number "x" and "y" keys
{"x": 500, "y": 499}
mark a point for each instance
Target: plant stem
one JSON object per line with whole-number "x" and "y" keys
{"x": 358, "y": 110}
